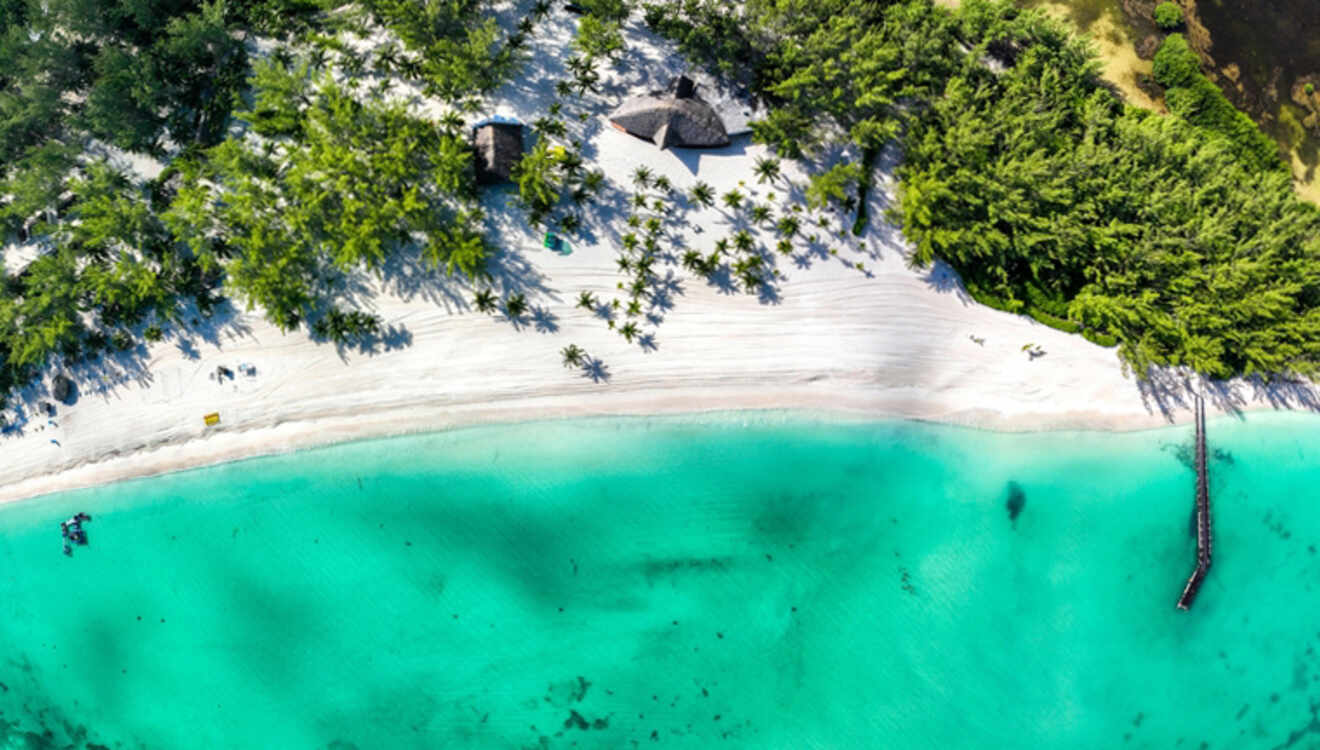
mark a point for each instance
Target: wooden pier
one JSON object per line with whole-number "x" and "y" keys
{"x": 1204, "y": 539}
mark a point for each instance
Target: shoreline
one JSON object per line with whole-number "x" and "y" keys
{"x": 846, "y": 327}
{"x": 234, "y": 445}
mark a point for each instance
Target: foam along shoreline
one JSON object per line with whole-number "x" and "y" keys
{"x": 883, "y": 341}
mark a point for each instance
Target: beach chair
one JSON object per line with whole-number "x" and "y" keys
{"x": 552, "y": 242}
{"x": 212, "y": 419}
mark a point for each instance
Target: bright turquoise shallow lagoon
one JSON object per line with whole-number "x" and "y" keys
{"x": 754, "y": 581}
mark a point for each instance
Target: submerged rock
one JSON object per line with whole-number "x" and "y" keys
{"x": 1017, "y": 499}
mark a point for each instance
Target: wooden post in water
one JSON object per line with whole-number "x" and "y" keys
{"x": 1204, "y": 540}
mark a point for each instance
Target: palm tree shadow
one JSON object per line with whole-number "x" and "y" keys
{"x": 722, "y": 279}
{"x": 544, "y": 321}
{"x": 648, "y": 343}
{"x": 596, "y": 369}
{"x": 393, "y": 338}
{"x": 942, "y": 278}
{"x": 517, "y": 321}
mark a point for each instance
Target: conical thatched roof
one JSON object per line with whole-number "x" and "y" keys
{"x": 499, "y": 146}
{"x": 672, "y": 118}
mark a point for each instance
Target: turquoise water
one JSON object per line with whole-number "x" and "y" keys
{"x": 749, "y": 582}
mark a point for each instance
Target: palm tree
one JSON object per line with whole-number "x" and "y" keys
{"x": 766, "y": 169}
{"x": 637, "y": 288}
{"x": 653, "y": 226}
{"x": 703, "y": 195}
{"x": 586, "y": 301}
{"x": 788, "y": 226}
{"x": 550, "y": 127}
{"x": 540, "y": 8}
{"x": 785, "y": 247}
{"x": 744, "y": 241}
{"x": 629, "y": 330}
{"x": 732, "y": 199}
{"x": 658, "y": 205}
{"x": 593, "y": 181}
{"x": 693, "y": 260}
{"x": 750, "y": 280}
{"x": 484, "y": 300}
{"x": 515, "y": 305}
{"x": 639, "y": 200}
{"x": 629, "y": 241}
{"x": 662, "y": 184}
{"x": 586, "y": 80}
{"x": 411, "y": 67}
{"x": 760, "y": 214}
{"x": 623, "y": 263}
{"x": 563, "y": 89}
{"x": 573, "y": 355}
{"x": 634, "y": 308}
{"x": 387, "y": 59}
{"x": 570, "y": 223}
{"x": 571, "y": 161}
{"x": 316, "y": 59}
{"x": 642, "y": 177}
{"x": 451, "y": 122}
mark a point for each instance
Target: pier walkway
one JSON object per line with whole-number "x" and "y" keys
{"x": 1204, "y": 539}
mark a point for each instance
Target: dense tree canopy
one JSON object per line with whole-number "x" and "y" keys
{"x": 1179, "y": 238}
{"x": 1176, "y": 237}
{"x": 324, "y": 179}
{"x": 347, "y": 183}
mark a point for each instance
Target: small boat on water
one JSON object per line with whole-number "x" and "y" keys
{"x": 73, "y": 532}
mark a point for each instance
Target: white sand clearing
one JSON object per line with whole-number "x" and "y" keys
{"x": 887, "y": 342}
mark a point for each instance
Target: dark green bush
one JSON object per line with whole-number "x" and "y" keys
{"x": 1168, "y": 15}
{"x": 1099, "y": 337}
{"x": 1059, "y": 324}
{"x": 1190, "y": 95}
{"x": 991, "y": 300}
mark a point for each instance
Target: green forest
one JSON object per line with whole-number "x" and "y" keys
{"x": 1176, "y": 238}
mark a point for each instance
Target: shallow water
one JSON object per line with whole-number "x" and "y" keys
{"x": 758, "y": 582}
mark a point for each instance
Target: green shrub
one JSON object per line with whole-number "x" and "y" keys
{"x": 606, "y": 10}
{"x": 1099, "y": 337}
{"x": 1191, "y": 96}
{"x": 1175, "y": 63}
{"x": 1309, "y": 89}
{"x": 1168, "y": 15}
{"x": 1058, "y": 324}
{"x": 1041, "y": 300}
{"x": 992, "y": 300}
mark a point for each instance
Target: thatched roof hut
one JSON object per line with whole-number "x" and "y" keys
{"x": 676, "y": 117}
{"x": 499, "y": 146}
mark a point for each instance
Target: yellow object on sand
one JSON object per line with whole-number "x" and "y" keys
{"x": 212, "y": 419}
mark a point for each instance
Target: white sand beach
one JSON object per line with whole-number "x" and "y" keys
{"x": 884, "y": 342}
